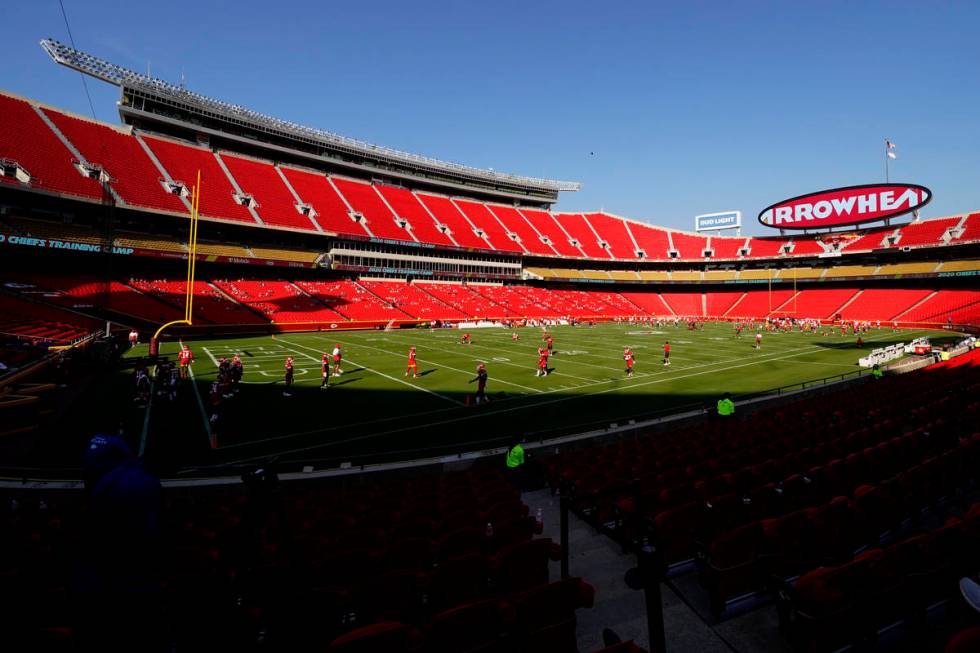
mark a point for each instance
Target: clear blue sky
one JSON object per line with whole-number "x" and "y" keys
{"x": 690, "y": 107}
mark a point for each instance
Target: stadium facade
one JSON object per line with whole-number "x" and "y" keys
{"x": 305, "y": 230}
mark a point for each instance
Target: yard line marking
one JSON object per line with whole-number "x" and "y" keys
{"x": 390, "y": 378}
{"x": 763, "y": 358}
{"x": 572, "y": 376}
{"x": 535, "y": 404}
{"x": 529, "y": 405}
{"x": 455, "y": 369}
{"x": 200, "y": 404}
{"x": 697, "y": 354}
{"x": 213, "y": 359}
{"x": 564, "y": 360}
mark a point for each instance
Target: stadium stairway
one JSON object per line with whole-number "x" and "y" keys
{"x": 603, "y": 564}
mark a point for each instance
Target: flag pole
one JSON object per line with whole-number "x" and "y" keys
{"x": 886, "y": 161}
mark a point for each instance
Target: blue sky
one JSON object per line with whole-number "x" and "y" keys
{"x": 689, "y": 107}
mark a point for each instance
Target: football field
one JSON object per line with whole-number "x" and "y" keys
{"x": 373, "y": 411}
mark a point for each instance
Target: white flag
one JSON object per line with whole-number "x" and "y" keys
{"x": 889, "y": 144}
{"x": 892, "y": 155}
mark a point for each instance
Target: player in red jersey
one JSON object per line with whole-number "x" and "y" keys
{"x": 288, "y": 379}
{"x": 667, "y": 353}
{"x": 628, "y": 357}
{"x": 758, "y": 341}
{"x": 337, "y": 356}
{"x": 412, "y": 367}
{"x": 514, "y": 337}
{"x": 325, "y": 371}
{"x": 481, "y": 384}
{"x": 551, "y": 344}
{"x": 185, "y": 357}
{"x": 542, "y": 362}
{"x": 466, "y": 339}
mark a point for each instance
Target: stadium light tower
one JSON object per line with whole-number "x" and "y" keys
{"x": 127, "y": 79}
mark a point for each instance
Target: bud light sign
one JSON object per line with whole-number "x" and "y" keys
{"x": 716, "y": 221}
{"x": 845, "y": 206}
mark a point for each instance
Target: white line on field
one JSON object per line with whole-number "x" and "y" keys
{"x": 532, "y": 349}
{"x": 197, "y": 395}
{"x": 373, "y": 371}
{"x": 510, "y": 399}
{"x": 455, "y": 369}
{"x": 213, "y": 359}
{"x": 535, "y": 404}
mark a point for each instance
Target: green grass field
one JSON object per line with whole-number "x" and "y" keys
{"x": 373, "y": 411}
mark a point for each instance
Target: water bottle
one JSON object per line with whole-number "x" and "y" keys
{"x": 489, "y": 530}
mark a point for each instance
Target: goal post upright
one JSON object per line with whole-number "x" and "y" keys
{"x": 191, "y": 264}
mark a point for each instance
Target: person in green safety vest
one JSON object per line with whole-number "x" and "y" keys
{"x": 515, "y": 455}
{"x": 876, "y": 371}
{"x": 726, "y": 407}
{"x": 516, "y": 472}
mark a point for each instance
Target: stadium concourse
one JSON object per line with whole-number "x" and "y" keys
{"x": 836, "y": 508}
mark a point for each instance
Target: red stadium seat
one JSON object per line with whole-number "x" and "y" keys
{"x": 183, "y": 162}
{"x": 525, "y": 565}
{"x": 471, "y": 627}
{"x": 276, "y": 204}
{"x": 331, "y": 213}
{"x": 389, "y": 636}
{"x": 133, "y": 174}
{"x": 579, "y": 229}
{"x": 26, "y": 139}
{"x": 407, "y": 206}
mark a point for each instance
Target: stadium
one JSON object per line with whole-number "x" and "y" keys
{"x": 322, "y": 394}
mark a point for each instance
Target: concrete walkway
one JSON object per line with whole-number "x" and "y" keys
{"x": 602, "y": 563}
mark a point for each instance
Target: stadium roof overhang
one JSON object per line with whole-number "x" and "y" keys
{"x": 157, "y": 97}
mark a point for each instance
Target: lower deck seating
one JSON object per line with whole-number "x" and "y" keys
{"x": 86, "y": 293}
{"x": 586, "y": 304}
{"x": 465, "y": 300}
{"x": 40, "y": 331}
{"x": 42, "y": 324}
{"x": 515, "y": 301}
{"x": 876, "y": 303}
{"x": 821, "y": 303}
{"x": 352, "y": 300}
{"x": 305, "y": 301}
{"x": 210, "y": 304}
{"x": 957, "y": 306}
{"x": 279, "y": 301}
{"x": 411, "y": 299}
